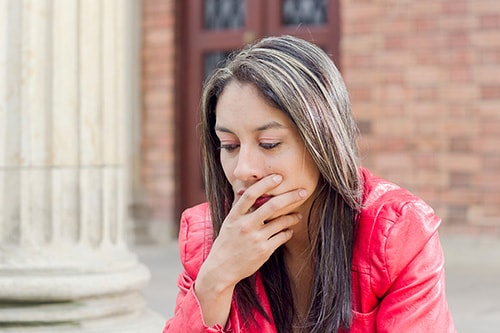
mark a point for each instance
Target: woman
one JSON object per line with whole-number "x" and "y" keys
{"x": 297, "y": 236}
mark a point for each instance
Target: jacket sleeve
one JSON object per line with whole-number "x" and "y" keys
{"x": 195, "y": 238}
{"x": 413, "y": 298}
{"x": 188, "y": 317}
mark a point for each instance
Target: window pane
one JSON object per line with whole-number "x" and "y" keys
{"x": 212, "y": 60}
{"x": 223, "y": 14}
{"x": 310, "y": 12}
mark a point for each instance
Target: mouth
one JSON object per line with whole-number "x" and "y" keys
{"x": 260, "y": 201}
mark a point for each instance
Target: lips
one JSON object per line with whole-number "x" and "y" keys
{"x": 261, "y": 200}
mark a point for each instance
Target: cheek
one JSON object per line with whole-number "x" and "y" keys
{"x": 311, "y": 174}
{"x": 226, "y": 167}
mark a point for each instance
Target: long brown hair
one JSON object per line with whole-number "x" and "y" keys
{"x": 301, "y": 80}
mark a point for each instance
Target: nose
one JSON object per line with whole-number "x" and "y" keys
{"x": 249, "y": 165}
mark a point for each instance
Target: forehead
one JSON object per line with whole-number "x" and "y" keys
{"x": 243, "y": 102}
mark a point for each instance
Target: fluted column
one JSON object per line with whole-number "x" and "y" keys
{"x": 63, "y": 124}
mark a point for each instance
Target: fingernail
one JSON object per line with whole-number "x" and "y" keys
{"x": 277, "y": 178}
{"x": 302, "y": 193}
{"x": 299, "y": 216}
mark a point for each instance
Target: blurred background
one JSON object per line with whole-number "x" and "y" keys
{"x": 424, "y": 81}
{"x": 98, "y": 130}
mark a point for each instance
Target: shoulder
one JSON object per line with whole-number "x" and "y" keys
{"x": 195, "y": 237}
{"x": 394, "y": 226}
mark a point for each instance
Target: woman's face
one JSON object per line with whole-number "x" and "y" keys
{"x": 257, "y": 140}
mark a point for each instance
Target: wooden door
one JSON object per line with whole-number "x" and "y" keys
{"x": 214, "y": 28}
{"x": 317, "y": 21}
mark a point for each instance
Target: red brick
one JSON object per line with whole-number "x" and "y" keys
{"x": 360, "y": 93}
{"x": 485, "y": 40}
{"x": 457, "y": 214}
{"x": 431, "y": 144}
{"x": 450, "y": 92}
{"x": 455, "y": 23}
{"x": 424, "y": 94}
{"x": 488, "y": 144}
{"x": 492, "y": 199}
{"x": 377, "y": 144}
{"x": 459, "y": 40}
{"x": 359, "y": 61}
{"x": 158, "y": 160}
{"x": 487, "y": 73}
{"x": 393, "y": 76}
{"x": 156, "y": 7}
{"x": 463, "y": 92}
{"x": 460, "y": 74}
{"x": 460, "y": 58}
{"x": 460, "y": 144}
{"x": 438, "y": 179}
{"x": 467, "y": 127}
{"x": 492, "y": 162}
{"x": 431, "y": 9}
{"x": 465, "y": 162}
{"x": 491, "y": 128}
{"x": 426, "y": 160}
{"x": 465, "y": 197}
{"x": 460, "y": 179}
{"x": 428, "y": 112}
{"x": 424, "y": 75}
{"x": 157, "y": 37}
{"x": 490, "y": 91}
{"x": 424, "y": 24}
{"x": 488, "y": 182}
{"x": 454, "y": 7}
{"x": 392, "y": 161}
{"x": 490, "y": 21}
{"x": 483, "y": 7}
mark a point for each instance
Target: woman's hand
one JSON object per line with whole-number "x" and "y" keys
{"x": 245, "y": 242}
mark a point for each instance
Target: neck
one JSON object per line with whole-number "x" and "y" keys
{"x": 297, "y": 251}
{"x": 298, "y": 260}
{"x": 299, "y": 246}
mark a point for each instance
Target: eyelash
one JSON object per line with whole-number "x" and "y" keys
{"x": 228, "y": 147}
{"x": 232, "y": 147}
{"x": 269, "y": 146}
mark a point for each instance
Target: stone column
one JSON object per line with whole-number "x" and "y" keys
{"x": 64, "y": 263}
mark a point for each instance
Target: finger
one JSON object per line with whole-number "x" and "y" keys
{"x": 266, "y": 211}
{"x": 279, "y": 239}
{"x": 256, "y": 190}
{"x": 281, "y": 223}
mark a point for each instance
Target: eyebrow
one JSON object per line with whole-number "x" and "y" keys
{"x": 270, "y": 125}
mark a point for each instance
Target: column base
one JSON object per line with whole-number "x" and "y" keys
{"x": 144, "y": 321}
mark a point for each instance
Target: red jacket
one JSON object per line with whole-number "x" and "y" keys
{"x": 398, "y": 280}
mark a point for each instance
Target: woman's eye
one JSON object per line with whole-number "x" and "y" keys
{"x": 228, "y": 147}
{"x": 269, "y": 145}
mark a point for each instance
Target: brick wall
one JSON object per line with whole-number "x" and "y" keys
{"x": 424, "y": 78}
{"x": 155, "y": 212}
